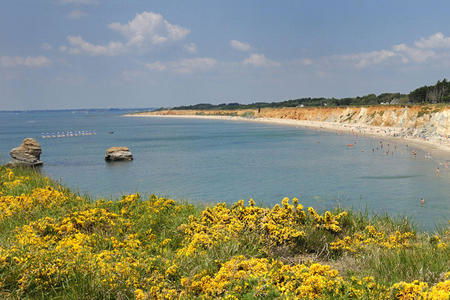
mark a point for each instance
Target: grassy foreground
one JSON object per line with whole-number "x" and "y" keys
{"x": 55, "y": 244}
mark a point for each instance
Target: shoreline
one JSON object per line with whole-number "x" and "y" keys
{"x": 394, "y": 133}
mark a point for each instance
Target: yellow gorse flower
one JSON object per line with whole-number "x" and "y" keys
{"x": 157, "y": 248}
{"x": 220, "y": 223}
{"x": 370, "y": 237}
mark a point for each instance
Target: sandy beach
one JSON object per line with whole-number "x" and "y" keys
{"x": 437, "y": 145}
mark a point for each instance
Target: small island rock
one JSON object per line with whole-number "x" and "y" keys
{"x": 27, "y": 154}
{"x": 118, "y": 154}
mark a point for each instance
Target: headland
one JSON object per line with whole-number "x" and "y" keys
{"x": 427, "y": 126}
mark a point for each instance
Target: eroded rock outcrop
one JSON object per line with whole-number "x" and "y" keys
{"x": 27, "y": 154}
{"x": 118, "y": 154}
{"x": 421, "y": 121}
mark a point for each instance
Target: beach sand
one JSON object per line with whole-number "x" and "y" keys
{"x": 438, "y": 146}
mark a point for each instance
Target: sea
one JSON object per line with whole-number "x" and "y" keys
{"x": 209, "y": 161}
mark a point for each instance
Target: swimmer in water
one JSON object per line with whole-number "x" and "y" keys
{"x": 422, "y": 201}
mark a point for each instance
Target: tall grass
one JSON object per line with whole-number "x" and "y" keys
{"x": 157, "y": 224}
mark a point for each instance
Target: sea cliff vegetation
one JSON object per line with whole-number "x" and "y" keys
{"x": 434, "y": 94}
{"x": 55, "y": 244}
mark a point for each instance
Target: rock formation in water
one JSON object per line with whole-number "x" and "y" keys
{"x": 27, "y": 154}
{"x": 118, "y": 154}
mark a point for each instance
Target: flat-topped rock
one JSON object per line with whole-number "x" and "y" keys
{"x": 27, "y": 154}
{"x": 118, "y": 154}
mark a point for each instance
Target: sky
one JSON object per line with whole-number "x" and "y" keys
{"x": 62, "y": 54}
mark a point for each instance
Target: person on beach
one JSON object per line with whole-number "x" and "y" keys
{"x": 438, "y": 171}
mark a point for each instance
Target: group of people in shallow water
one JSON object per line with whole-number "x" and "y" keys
{"x": 445, "y": 164}
{"x": 381, "y": 147}
{"x": 386, "y": 148}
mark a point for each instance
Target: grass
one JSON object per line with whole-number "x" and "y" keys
{"x": 56, "y": 244}
{"x": 421, "y": 262}
{"x": 37, "y": 180}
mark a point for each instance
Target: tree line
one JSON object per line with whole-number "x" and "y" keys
{"x": 438, "y": 93}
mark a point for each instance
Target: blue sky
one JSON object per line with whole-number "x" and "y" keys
{"x": 140, "y": 53}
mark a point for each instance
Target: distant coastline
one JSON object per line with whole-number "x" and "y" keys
{"x": 435, "y": 139}
{"x": 133, "y": 109}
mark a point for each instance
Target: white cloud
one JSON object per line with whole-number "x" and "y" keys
{"x": 437, "y": 40}
{"x": 194, "y": 65}
{"x": 361, "y": 60}
{"x": 260, "y": 60}
{"x": 189, "y": 65}
{"x": 432, "y": 48}
{"x": 415, "y": 54}
{"x": 76, "y": 14}
{"x": 191, "y": 48}
{"x": 30, "y": 61}
{"x": 145, "y": 31}
{"x": 240, "y": 46}
{"x": 423, "y": 50}
{"x": 149, "y": 27}
{"x": 79, "y": 46}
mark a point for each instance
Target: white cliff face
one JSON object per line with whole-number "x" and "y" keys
{"x": 419, "y": 123}
{"x": 429, "y": 122}
{"x": 426, "y": 121}
{"x": 441, "y": 122}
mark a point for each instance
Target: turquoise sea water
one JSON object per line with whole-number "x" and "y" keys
{"x": 209, "y": 161}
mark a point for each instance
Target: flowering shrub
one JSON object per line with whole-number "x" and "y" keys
{"x": 370, "y": 237}
{"x": 281, "y": 225}
{"x": 9, "y": 180}
{"x": 39, "y": 197}
{"x": 62, "y": 246}
{"x": 328, "y": 220}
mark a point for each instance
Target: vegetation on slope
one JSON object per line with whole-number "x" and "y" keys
{"x": 56, "y": 244}
{"x": 438, "y": 93}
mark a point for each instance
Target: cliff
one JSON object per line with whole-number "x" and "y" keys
{"x": 419, "y": 121}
